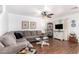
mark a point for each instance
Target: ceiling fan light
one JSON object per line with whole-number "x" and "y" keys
{"x": 44, "y": 13}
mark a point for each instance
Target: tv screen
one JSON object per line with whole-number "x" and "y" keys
{"x": 59, "y": 26}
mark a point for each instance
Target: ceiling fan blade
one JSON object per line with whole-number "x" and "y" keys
{"x": 51, "y": 14}
{"x": 44, "y": 13}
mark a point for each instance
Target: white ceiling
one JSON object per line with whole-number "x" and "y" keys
{"x": 35, "y": 10}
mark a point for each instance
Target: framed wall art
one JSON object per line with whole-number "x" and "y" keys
{"x": 25, "y": 24}
{"x": 73, "y": 23}
{"x": 32, "y": 25}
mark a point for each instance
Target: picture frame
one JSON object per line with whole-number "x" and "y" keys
{"x": 73, "y": 23}
{"x": 32, "y": 25}
{"x": 25, "y": 24}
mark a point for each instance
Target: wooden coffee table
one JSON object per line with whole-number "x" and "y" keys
{"x": 25, "y": 51}
{"x": 42, "y": 41}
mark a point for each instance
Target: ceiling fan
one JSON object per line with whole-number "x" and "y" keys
{"x": 48, "y": 15}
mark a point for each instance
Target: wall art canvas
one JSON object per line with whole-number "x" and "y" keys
{"x": 25, "y": 24}
{"x": 32, "y": 25}
{"x": 73, "y": 23}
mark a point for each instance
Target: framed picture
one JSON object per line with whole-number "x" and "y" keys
{"x": 73, "y": 23}
{"x": 25, "y": 24}
{"x": 32, "y": 25}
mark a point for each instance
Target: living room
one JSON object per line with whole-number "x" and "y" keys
{"x": 51, "y": 22}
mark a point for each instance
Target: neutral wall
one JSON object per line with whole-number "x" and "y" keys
{"x": 67, "y": 25}
{"x": 15, "y": 22}
{"x": 3, "y": 21}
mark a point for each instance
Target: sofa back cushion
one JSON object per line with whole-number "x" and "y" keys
{"x": 9, "y": 39}
{"x": 32, "y": 33}
{"x": 38, "y": 32}
{"x": 27, "y": 33}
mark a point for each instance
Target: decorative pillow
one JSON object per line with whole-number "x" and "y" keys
{"x": 9, "y": 40}
{"x": 18, "y": 35}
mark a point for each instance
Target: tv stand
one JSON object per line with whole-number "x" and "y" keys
{"x": 59, "y": 35}
{"x": 59, "y": 30}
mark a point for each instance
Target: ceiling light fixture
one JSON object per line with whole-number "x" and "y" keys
{"x": 47, "y": 12}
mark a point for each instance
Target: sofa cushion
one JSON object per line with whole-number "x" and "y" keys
{"x": 8, "y": 39}
{"x": 18, "y": 35}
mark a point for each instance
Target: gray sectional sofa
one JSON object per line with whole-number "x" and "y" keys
{"x": 10, "y": 45}
{"x": 30, "y": 35}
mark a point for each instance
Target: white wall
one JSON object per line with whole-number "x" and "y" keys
{"x": 15, "y": 22}
{"x": 3, "y": 21}
{"x": 67, "y": 24}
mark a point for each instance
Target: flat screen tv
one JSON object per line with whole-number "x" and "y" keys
{"x": 59, "y": 26}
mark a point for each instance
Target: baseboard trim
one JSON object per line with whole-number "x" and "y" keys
{"x": 57, "y": 39}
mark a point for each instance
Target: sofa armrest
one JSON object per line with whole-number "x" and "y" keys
{"x": 12, "y": 49}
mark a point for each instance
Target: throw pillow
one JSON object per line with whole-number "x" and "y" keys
{"x": 9, "y": 40}
{"x": 18, "y": 35}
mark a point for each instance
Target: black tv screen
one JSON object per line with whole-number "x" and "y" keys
{"x": 59, "y": 26}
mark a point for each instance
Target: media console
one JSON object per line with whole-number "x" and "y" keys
{"x": 58, "y": 35}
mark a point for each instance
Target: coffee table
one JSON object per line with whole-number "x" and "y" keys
{"x": 42, "y": 41}
{"x": 25, "y": 51}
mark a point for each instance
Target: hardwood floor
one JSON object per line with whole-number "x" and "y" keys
{"x": 58, "y": 47}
